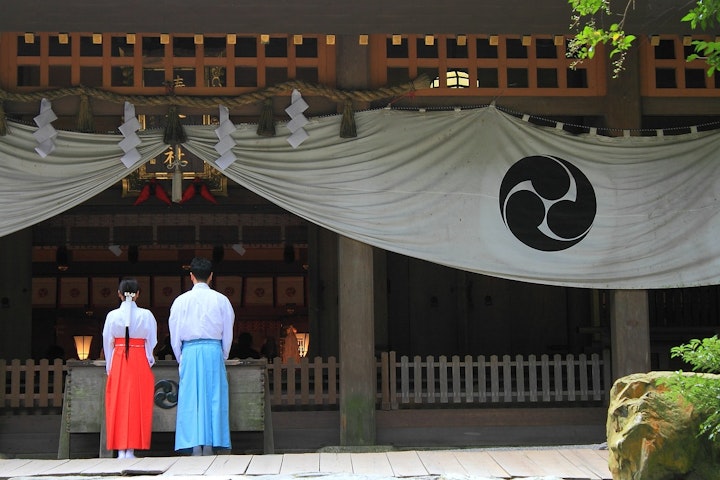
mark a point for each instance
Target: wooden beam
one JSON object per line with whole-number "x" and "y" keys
{"x": 322, "y": 16}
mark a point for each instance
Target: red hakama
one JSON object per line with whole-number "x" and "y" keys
{"x": 129, "y": 398}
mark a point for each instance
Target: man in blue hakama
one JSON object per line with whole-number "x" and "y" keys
{"x": 201, "y": 330}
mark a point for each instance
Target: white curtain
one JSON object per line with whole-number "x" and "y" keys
{"x": 626, "y": 212}
{"x": 81, "y": 166}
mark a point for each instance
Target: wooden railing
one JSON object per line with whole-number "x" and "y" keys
{"x": 32, "y": 384}
{"x": 489, "y": 380}
{"x": 304, "y": 383}
{"x": 407, "y": 383}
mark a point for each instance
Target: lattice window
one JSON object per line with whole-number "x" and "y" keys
{"x": 485, "y": 65}
{"x": 153, "y": 63}
{"x": 669, "y": 73}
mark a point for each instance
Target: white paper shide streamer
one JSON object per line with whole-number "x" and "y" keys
{"x": 297, "y": 119}
{"x": 46, "y": 133}
{"x": 225, "y": 145}
{"x": 131, "y": 141}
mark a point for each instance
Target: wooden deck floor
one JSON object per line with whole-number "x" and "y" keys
{"x": 563, "y": 463}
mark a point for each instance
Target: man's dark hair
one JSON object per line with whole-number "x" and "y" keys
{"x": 129, "y": 285}
{"x": 201, "y": 268}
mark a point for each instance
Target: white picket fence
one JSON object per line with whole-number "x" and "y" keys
{"x": 494, "y": 379}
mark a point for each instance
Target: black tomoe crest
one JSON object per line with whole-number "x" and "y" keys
{"x": 547, "y": 203}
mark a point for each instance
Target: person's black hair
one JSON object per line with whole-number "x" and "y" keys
{"x": 201, "y": 268}
{"x": 128, "y": 285}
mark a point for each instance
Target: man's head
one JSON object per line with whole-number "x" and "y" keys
{"x": 201, "y": 269}
{"x": 128, "y": 285}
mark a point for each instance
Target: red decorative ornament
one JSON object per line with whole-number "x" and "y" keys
{"x": 198, "y": 187}
{"x": 153, "y": 189}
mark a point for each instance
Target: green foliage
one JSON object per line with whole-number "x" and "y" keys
{"x": 588, "y": 35}
{"x": 701, "y": 391}
{"x": 590, "y": 7}
{"x": 705, "y": 15}
{"x": 703, "y": 355}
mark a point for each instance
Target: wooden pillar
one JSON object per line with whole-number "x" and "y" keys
{"x": 16, "y": 295}
{"x": 355, "y": 290}
{"x": 623, "y": 103}
{"x": 629, "y": 314}
{"x": 358, "y": 375}
{"x": 353, "y": 63}
{"x": 629, "y": 332}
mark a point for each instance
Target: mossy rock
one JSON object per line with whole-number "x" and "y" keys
{"x": 653, "y": 437}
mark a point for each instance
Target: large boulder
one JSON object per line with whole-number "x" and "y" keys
{"x": 651, "y": 437}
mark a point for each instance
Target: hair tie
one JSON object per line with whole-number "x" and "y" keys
{"x": 129, "y": 296}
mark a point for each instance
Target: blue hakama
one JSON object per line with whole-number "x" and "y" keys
{"x": 203, "y": 401}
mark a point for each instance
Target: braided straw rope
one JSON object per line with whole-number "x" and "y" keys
{"x": 339, "y": 96}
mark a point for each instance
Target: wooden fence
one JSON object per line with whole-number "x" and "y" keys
{"x": 493, "y": 380}
{"x": 407, "y": 383}
{"x": 32, "y": 384}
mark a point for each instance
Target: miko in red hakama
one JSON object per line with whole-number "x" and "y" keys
{"x": 129, "y": 397}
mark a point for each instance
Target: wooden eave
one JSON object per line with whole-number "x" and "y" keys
{"x": 323, "y": 16}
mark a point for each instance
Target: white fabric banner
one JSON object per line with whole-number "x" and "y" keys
{"x": 81, "y": 166}
{"x": 478, "y": 190}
